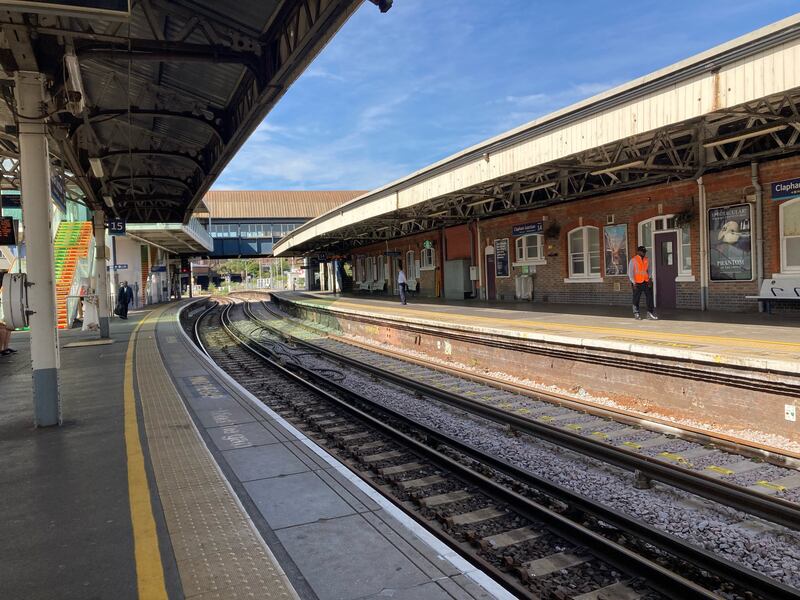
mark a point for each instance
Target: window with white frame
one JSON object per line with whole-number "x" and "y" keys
{"x": 371, "y": 275}
{"x": 648, "y": 228}
{"x": 411, "y": 271}
{"x": 427, "y": 259}
{"x": 790, "y": 236}
{"x": 584, "y": 253}
{"x": 530, "y": 248}
{"x": 361, "y": 271}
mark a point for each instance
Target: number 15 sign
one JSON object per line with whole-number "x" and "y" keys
{"x": 116, "y": 227}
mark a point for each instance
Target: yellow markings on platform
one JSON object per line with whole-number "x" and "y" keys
{"x": 573, "y": 426}
{"x": 600, "y": 434}
{"x": 632, "y": 445}
{"x": 522, "y": 410}
{"x": 571, "y": 328}
{"x": 771, "y": 486}
{"x": 149, "y": 569}
{"x": 673, "y": 457}
{"x": 720, "y": 470}
{"x": 546, "y": 418}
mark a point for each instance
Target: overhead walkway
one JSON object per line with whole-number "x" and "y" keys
{"x": 168, "y": 480}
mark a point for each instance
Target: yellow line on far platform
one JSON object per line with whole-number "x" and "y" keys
{"x": 149, "y": 568}
{"x": 635, "y": 335}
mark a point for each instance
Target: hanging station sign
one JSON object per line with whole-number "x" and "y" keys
{"x": 82, "y": 8}
{"x": 501, "y": 258}
{"x": 116, "y": 226}
{"x": 729, "y": 243}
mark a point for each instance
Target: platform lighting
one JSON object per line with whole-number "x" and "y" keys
{"x": 74, "y": 82}
{"x": 108, "y": 200}
{"x": 539, "y": 186}
{"x": 97, "y": 167}
{"x": 744, "y": 136}
{"x": 615, "y": 168}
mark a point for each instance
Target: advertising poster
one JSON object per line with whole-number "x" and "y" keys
{"x": 501, "y": 257}
{"x": 730, "y": 246}
{"x": 615, "y": 238}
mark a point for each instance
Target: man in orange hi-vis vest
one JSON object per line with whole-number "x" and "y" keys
{"x": 642, "y": 281}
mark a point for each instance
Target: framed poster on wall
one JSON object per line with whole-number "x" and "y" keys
{"x": 730, "y": 254}
{"x": 615, "y": 239}
{"x": 501, "y": 258}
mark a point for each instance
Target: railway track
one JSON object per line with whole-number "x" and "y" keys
{"x": 538, "y": 539}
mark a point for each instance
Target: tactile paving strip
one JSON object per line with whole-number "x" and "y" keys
{"x": 218, "y": 552}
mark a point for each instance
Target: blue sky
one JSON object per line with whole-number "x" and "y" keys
{"x": 395, "y": 92}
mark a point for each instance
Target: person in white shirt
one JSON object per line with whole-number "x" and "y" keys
{"x": 401, "y": 281}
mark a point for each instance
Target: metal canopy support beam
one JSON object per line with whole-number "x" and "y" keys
{"x": 100, "y": 271}
{"x": 36, "y": 207}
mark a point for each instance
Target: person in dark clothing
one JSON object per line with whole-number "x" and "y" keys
{"x": 124, "y": 298}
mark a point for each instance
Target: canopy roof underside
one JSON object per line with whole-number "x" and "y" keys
{"x": 147, "y": 112}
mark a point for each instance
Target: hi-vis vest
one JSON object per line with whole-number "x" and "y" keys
{"x": 640, "y": 269}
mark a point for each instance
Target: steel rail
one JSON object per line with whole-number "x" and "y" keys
{"x": 773, "y": 509}
{"x": 665, "y": 581}
{"x": 726, "y": 569}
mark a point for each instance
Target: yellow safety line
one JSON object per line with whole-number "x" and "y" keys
{"x": 637, "y": 335}
{"x": 149, "y": 569}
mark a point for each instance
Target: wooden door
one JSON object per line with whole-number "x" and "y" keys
{"x": 491, "y": 289}
{"x": 666, "y": 269}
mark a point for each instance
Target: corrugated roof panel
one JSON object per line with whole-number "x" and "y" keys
{"x": 280, "y": 204}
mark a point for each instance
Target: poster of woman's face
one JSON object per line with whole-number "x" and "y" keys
{"x": 730, "y": 255}
{"x": 615, "y": 239}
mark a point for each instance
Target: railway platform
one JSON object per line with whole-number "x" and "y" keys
{"x": 168, "y": 480}
{"x": 738, "y": 374}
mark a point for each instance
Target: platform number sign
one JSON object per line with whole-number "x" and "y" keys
{"x": 116, "y": 227}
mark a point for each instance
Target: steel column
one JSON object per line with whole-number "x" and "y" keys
{"x": 101, "y": 271}
{"x": 36, "y": 217}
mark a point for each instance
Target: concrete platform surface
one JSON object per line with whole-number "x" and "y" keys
{"x": 223, "y": 498}
{"x": 751, "y": 340}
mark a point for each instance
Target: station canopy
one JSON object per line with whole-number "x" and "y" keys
{"x": 144, "y": 112}
{"x": 728, "y": 106}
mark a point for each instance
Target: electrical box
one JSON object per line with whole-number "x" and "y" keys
{"x": 473, "y": 273}
{"x": 15, "y": 300}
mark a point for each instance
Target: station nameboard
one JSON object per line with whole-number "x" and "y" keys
{"x": 527, "y": 228}
{"x": 8, "y": 232}
{"x": 83, "y": 8}
{"x": 784, "y": 190}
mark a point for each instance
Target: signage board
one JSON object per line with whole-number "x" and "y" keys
{"x": 501, "y": 258}
{"x": 158, "y": 269}
{"x": 427, "y": 244}
{"x": 615, "y": 241}
{"x": 528, "y": 228}
{"x": 57, "y": 191}
{"x": 83, "y": 8}
{"x": 8, "y": 232}
{"x": 116, "y": 226}
{"x": 785, "y": 190}
{"x": 729, "y": 243}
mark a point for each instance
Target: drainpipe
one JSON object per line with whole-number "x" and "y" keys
{"x": 759, "y": 229}
{"x": 703, "y": 245}
{"x": 480, "y": 255}
{"x": 472, "y": 256}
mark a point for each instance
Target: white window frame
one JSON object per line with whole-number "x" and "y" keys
{"x": 411, "y": 271}
{"x": 683, "y": 274}
{"x": 786, "y": 269}
{"x": 371, "y": 268}
{"x": 521, "y": 251}
{"x": 587, "y": 277}
{"x": 427, "y": 259}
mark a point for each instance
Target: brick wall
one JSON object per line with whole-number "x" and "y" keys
{"x": 631, "y": 207}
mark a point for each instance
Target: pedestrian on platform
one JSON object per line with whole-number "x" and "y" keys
{"x": 5, "y": 331}
{"x": 401, "y": 282}
{"x": 124, "y": 298}
{"x": 642, "y": 282}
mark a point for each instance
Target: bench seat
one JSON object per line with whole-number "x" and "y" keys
{"x": 786, "y": 289}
